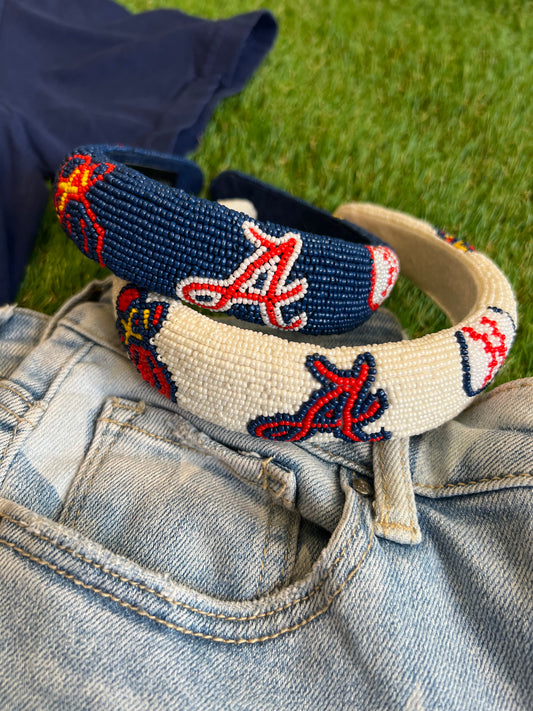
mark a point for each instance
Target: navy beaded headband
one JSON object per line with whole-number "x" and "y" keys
{"x": 316, "y": 275}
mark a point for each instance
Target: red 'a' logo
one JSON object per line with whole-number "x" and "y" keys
{"x": 260, "y": 279}
{"x": 342, "y": 407}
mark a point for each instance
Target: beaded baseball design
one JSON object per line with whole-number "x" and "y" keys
{"x": 291, "y": 390}
{"x": 170, "y": 242}
{"x": 484, "y": 347}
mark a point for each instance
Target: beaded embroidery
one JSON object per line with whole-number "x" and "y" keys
{"x": 484, "y": 347}
{"x": 168, "y": 241}
{"x": 454, "y": 241}
{"x": 72, "y": 205}
{"x": 385, "y": 271}
{"x": 138, "y": 321}
{"x": 269, "y": 267}
{"x": 342, "y": 407}
{"x": 269, "y": 385}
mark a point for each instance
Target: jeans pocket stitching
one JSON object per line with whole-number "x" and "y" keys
{"x": 262, "y": 482}
{"x": 100, "y": 451}
{"x": 17, "y": 417}
{"x": 29, "y": 401}
{"x": 179, "y": 628}
{"x": 213, "y": 615}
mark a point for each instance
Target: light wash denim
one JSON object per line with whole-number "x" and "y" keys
{"x": 149, "y": 560}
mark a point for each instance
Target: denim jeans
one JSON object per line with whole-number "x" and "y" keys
{"x": 150, "y": 560}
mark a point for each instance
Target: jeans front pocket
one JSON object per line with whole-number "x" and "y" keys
{"x": 153, "y": 489}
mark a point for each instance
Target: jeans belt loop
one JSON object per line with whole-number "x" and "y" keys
{"x": 394, "y": 502}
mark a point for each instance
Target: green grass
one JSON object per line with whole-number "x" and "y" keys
{"x": 424, "y": 107}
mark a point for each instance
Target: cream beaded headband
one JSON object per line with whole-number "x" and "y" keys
{"x": 290, "y": 390}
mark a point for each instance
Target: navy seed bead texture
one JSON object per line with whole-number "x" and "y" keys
{"x": 313, "y": 273}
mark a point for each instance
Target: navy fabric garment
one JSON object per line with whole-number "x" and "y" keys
{"x": 73, "y": 72}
